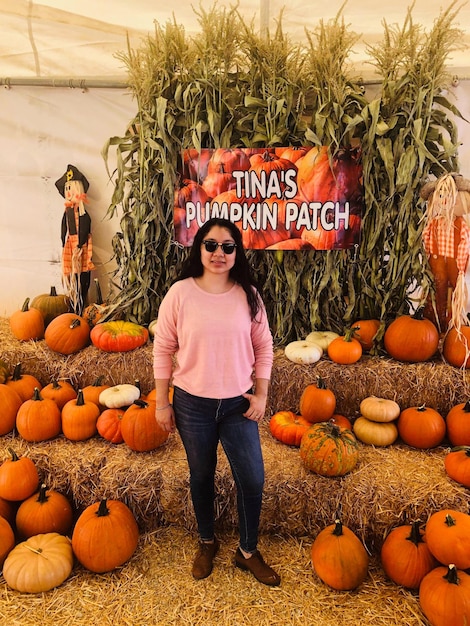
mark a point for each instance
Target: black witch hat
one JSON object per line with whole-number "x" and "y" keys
{"x": 72, "y": 173}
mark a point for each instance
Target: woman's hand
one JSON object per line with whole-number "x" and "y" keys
{"x": 257, "y": 406}
{"x": 166, "y": 418}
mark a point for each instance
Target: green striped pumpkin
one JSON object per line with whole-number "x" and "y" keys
{"x": 329, "y": 450}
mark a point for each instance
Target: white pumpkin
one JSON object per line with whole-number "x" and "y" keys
{"x": 151, "y": 327}
{"x": 119, "y": 395}
{"x": 322, "y": 338}
{"x": 303, "y": 352}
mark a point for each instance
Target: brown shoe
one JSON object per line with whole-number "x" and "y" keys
{"x": 256, "y": 565}
{"x": 202, "y": 565}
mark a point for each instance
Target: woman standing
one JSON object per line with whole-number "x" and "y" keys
{"x": 214, "y": 321}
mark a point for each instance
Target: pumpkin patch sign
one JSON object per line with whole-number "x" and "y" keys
{"x": 280, "y": 198}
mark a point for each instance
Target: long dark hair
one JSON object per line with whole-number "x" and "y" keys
{"x": 241, "y": 271}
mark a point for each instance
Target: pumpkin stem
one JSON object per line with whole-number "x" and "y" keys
{"x": 37, "y": 394}
{"x": 321, "y": 383}
{"x": 338, "y": 530}
{"x": 451, "y": 575}
{"x": 14, "y": 456}
{"x": 466, "y": 407}
{"x": 422, "y": 408}
{"x": 419, "y": 313}
{"x": 25, "y": 306}
{"x": 55, "y": 384}
{"x": 450, "y": 521}
{"x": 76, "y": 322}
{"x": 99, "y": 296}
{"x": 53, "y": 291}
{"x": 103, "y": 510}
{"x": 350, "y": 332}
{"x": 17, "y": 375}
{"x": 98, "y": 382}
{"x": 42, "y": 496}
{"x": 80, "y": 399}
{"x": 466, "y": 449}
{"x": 415, "y": 535}
{"x": 142, "y": 403}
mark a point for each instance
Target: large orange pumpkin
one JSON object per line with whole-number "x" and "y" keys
{"x": 10, "y": 403}
{"x": 339, "y": 557}
{"x": 67, "y": 333}
{"x": 329, "y": 450}
{"x": 421, "y": 427}
{"x": 38, "y": 419}
{"x": 345, "y": 349}
{"x": 411, "y": 338}
{"x": 44, "y": 512}
{"x": 457, "y": 465}
{"x": 118, "y": 336}
{"x": 105, "y": 536}
{"x": 79, "y": 418}
{"x": 19, "y": 477}
{"x": 405, "y": 555}
{"x": 139, "y": 427}
{"x": 458, "y": 424}
{"x": 448, "y": 537}
{"x": 444, "y": 596}
{"x": 27, "y": 323}
{"x": 23, "y": 384}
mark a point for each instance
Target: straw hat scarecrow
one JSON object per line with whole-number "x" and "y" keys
{"x": 446, "y": 239}
{"x": 77, "y": 246}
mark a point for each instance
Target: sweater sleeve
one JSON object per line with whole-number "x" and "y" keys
{"x": 262, "y": 344}
{"x": 165, "y": 342}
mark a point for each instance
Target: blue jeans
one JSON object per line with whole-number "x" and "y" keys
{"x": 202, "y": 423}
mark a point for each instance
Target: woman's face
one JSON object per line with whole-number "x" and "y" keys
{"x": 218, "y": 262}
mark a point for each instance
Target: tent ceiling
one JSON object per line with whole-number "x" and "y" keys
{"x": 79, "y": 38}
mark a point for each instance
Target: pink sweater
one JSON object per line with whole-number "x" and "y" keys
{"x": 217, "y": 345}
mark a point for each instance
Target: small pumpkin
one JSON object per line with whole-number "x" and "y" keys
{"x": 38, "y": 419}
{"x": 23, "y": 384}
{"x": 139, "y": 427}
{"x": 95, "y": 311}
{"x": 91, "y": 393}
{"x": 10, "y": 403}
{"x": 444, "y": 596}
{"x": 366, "y": 332}
{"x": 317, "y": 402}
{"x": 119, "y": 396}
{"x": 457, "y": 465}
{"x": 411, "y": 338}
{"x": 421, "y": 427}
{"x": 339, "y": 558}
{"x": 27, "y": 323}
{"x": 456, "y": 347}
{"x": 321, "y": 338}
{"x": 79, "y": 418}
{"x": 303, "y": 352}
{"x": 341, "y": 420}
{"x": 345, "y": 349}
{"x": 379, "y": 409}
{"x": 109, "y": 425}
{"x": 46, "y": 511}
{"x": 105, "y": 536}
{"x": 458, "y": 424}
{"x": 329, "y": 450}
{"x": 405, "y": 556}
{"x": 288, "y": 427}
{"x": 448, "y": 537}
{"x": 61, "y": 391}
{"x": 378, "y": 434}
{"x": 19, "y": 477}
{"x": 118, "y": 336}
{"x": 67, "y": 333}
{"x": 51, "y": 305}
{"x": 39, "y": 564}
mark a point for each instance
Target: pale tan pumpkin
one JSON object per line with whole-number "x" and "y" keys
{"x": 379, "y": 409}
{"x": 375, "y": 433}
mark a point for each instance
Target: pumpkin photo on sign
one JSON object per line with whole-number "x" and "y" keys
{"x": 280, "y": 198}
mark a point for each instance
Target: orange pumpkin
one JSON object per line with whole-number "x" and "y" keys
{"x": 67, "y": 333}
{"x": 27, "y": 323}
{"x": 339, "y": 557}
{"x": 44, "y": 512}
{"x": 10, "y": 402}
{"x": 457, "y": 465}
{"x": 108, "y": 425}
{"x": 7, "y": 540}
{"x": 458, "y": 424}
{"x": 346, "y": 349}
{"x": 91, "y": 393}
{"x": 19, "y": 478}
{"x": 448, "y": 537}
{"x": 365, "y": 333}
{"x": 38, "y": 419}
{"x": 341, "y": 420}
{"x": 405, "y": 556}
{"x": 139, "y": 427}
{"x": 421, "y": 427}
{"x": 411, "y": 338}
{"x": 456, "y": 347}
{"x": 444, "y": 596}
{"x": 61, "y": 391}
{"x": 288, "y": 427}
{"x": 118, "y": 336}
{"x": 329, "y": 450}
{"x": 317, "y": 402}
{"x": 79, "y": 418}
{"x": 105, "y": 536}
{"x": 23, "y": 384}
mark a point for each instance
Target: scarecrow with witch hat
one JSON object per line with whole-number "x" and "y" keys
{"x": 76, "y": 237}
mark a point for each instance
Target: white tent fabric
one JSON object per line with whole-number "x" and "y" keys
{"x": 53, "y": 56}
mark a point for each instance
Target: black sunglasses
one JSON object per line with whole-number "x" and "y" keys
{"x": 211, "y": 246}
